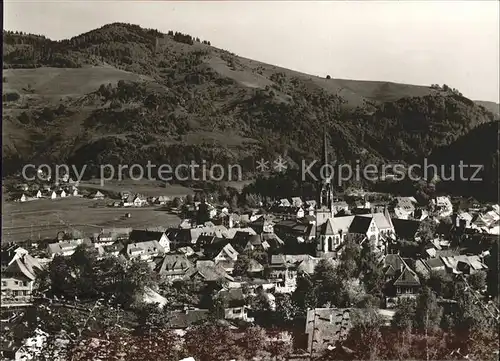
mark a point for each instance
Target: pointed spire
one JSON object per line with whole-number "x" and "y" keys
{"x": 325, "y": 147}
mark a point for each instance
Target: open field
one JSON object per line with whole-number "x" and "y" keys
{"x": 44, "y": 218}
{"x": 144, "y": 187}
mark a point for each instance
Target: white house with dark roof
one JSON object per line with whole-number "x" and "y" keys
{"x": 63, "y": 248}
{"x": 139, "y": 235}
{"x": 145, "y": 251}
{"x": 18, "y": 279}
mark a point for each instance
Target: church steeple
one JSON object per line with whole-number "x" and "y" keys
{"x": 326, "y": 190}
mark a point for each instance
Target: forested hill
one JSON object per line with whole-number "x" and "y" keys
{"x": 122, "y": 93}
{"x": 478, "y": 147}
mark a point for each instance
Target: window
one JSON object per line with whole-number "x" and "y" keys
{"x": 237, "y": 311}
{"x": 4, "y": 283}
{"x": 398, "y": 290}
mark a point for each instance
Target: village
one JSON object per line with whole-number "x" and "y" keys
{"x": 262, "y": 263}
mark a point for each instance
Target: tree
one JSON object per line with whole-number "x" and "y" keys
{"x": 404, "y": 318}
{"x": 285, "y": 309}
{"x": 477, "y": 281}
{"x": 427, "y": 312}
{"x": 202, "y": 215}
{"x": 426, "y": 230}
{"x": 242, "y": 265}
{"x": 151, "y": 318}
{"x": 328, "y": 77}
{"x": 372, "y": 275}
{"x": 211, "y": 342}
{"x": 304, "y": 296}
{"x": 253, "y": 343}
{"x": 366, "y": 324}
{"x": 177, "y": 202}
{"x": 441, "y": 283}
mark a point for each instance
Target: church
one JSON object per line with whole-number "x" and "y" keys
{"x": 332, "y": 232}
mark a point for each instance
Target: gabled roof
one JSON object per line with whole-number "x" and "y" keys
{"x": 209, "y": 271}
{"x": 148, "y": 247}
{"x": 58, "y": 247}
{"x": 407, "y": 278}
{"x": 234, "y": 297}
{"x": 360, "y": 225}
{"x": 179, "y": 235}
{"x": 326, "y": 229}
{"x": 381, "y": 220}
{"x": 185, "y": 319}
{"x": 406, "y": 229}
{"x": 172, "y": 263}
{"x": 341, "y": 224}
{"x": 394, "y": 262}
{"x": 142, "y": 235}
{"x": 24, "y": 265}
{"x": 406, "y": 203}
{"x": 215, "y": 249}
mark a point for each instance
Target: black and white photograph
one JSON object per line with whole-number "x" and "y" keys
{"x": 250, "y": 180}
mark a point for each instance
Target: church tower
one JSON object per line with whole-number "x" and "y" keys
{"x": 325, "y": 194}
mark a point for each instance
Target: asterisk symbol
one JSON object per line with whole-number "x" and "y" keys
{"x": 262, "y": 165}
{"x": 280, "y": 164}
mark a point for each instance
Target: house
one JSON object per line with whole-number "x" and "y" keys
{"x": 463, "y": 264}
{"x": 284, "y": 269}
{"x": 74, "y": 192}
{"x": 62, "y": 193}
{"x": 18, "y": 280}
{"x": 222, "y": 254}
{"x": 139, "y": 201}
{"x": 98, "y": 196}
{"x": 49, "y": 194}
{"x": 463, "y": 220}
{"x": 326, "y": 327}
{"x": 284, "y": 203}
{"x": 113, "y": 250}
{"x": 103, "y": 239}
{"x": 162, "y": 200}
{"x": 208, "y": 272}
{"x": 263, "y": 224}
{"x": 400, "y": 279}
{"x": 172, "y": 266}
{"x": 221, "y": 251}
{"x": 404, "y": 207}
{"x": 63, "y": 248}
{"x": 146, "y": 250}
{"x": 236, "y": 308}
{"x": 297, "y": 202}
{"x": 340, "y": 207}
{"x": 179, "y": 237}
{"x": 138, "y": 236}
{"x": 23, "y": 198}
{"x": 38, "y": 194}
{"x": 11, "y": 252}
{"x": 181, "y": 321}
{"x": 443, "y": 206}
{"x": 425, "y": 266}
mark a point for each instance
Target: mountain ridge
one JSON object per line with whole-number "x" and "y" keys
{"x": 122, "y": 93}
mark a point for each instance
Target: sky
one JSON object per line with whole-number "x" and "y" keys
{"x": 414, "y": 42}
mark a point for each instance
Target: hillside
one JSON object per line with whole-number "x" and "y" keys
{"x": 123, "y": 94}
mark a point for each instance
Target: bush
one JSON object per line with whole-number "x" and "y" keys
{"x": 10, "y": 97}
{"x": 328, "y": 77}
